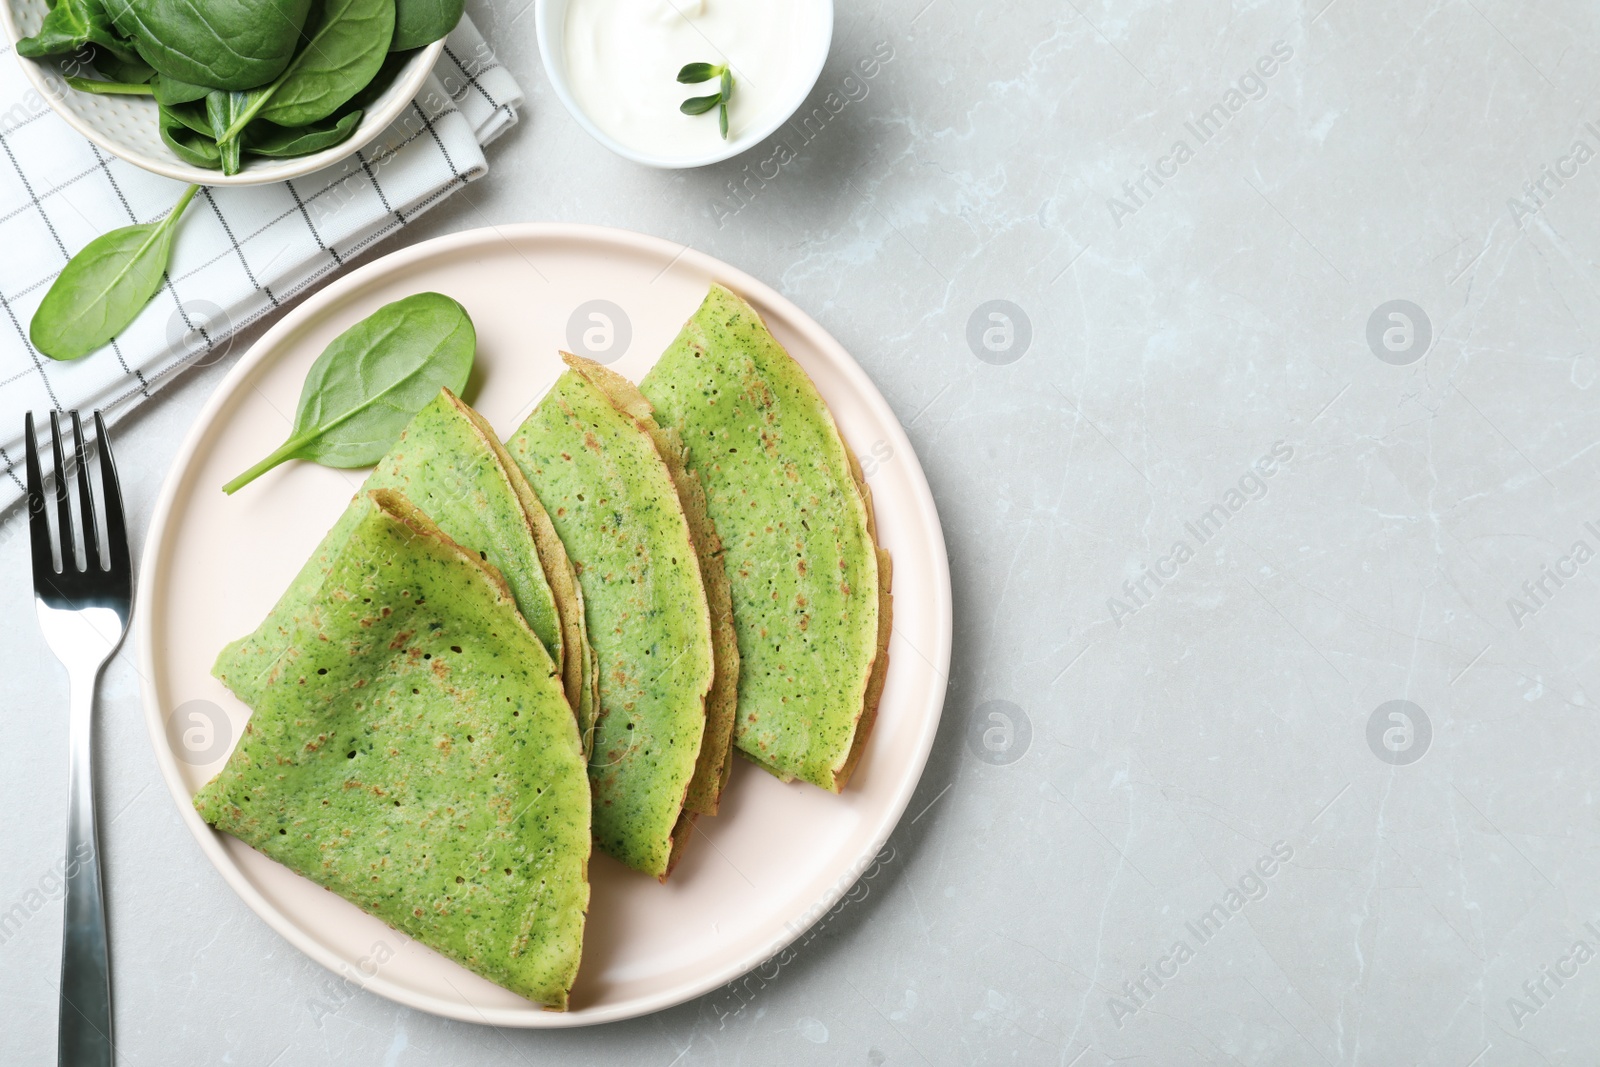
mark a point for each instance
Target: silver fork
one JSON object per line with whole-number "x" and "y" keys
{"x": 83, "y": 611}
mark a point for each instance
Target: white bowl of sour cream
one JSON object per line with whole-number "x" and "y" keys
{"x": 614, "y": 64}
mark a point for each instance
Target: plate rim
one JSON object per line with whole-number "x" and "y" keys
{"x": 152, "y": 575}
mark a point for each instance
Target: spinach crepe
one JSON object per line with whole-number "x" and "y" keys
{"x": 810, "y": 585}
{"x": 713, "y": 765}
{"x": 451, "y": 464}
{"x": 418, "y": 757}
{"x": 612, "y": 499}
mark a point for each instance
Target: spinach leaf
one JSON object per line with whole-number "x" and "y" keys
{"x": 221, "y": 44}
{"x": 372, "y": 379}
{"x": 129, "y": 69}
{"x": 105, "y": 286}
{"x": 104, "y": 88}
{"x": 420, "y": 22}
{"x": 191, "y": 115}
{"x": 189, "y": 138}
{"x": 223, "y": 109}
{"x": 262, "y": 138}
{"x": 69, "y": 26}
{"x": 393, "y": 64}
{"x": 174, "y": 91}
{"x": 346, "y": 43}
{"x": 195, "y": 149}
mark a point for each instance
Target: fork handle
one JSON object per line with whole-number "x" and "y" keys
{"x": 84, "y": 1035}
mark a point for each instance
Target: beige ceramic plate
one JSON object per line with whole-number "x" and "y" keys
{"x": 775, "y": 859}
{"x": 126, "y": 127}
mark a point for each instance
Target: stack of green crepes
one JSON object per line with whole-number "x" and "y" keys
{"x": 502, "y": 652}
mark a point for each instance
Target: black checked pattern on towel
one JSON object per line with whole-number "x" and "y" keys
{"x": 242, "y": 253}
{"x": 472, "y": 76}
{"x": 207, "y": 344}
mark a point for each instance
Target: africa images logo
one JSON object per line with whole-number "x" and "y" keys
{"x": 999, "y": 733}
{"x": 1399, "y": 333}
{"x": 1249, "y": 887}
{"x": 999, "y": 332}
{"x": 599, "y": 330}
{"x": 1540, "y": 990}
{"x": 1252, "y": 485}
{"x": 1203, "y": 128}
{"x": 1399, "y": 732}
{"x": 1541, "y": 589}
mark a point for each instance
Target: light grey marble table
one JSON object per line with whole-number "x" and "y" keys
{"x": 1289, "y": 414}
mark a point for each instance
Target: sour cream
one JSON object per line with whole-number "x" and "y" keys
{"x": 623, "y": 58}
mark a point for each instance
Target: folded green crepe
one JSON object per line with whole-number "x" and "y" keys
{"x": 713, "y": 766}
{"x": 612, "y": 499}
{"x": 419, "y": 758}
{"x": 811, "y": 600}
{"x": 450, "y": 463}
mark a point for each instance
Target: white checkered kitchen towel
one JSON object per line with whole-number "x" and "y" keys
{"x": 241, "y": 252}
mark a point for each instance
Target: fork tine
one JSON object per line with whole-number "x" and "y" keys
{"x": 69, "y": 560}
{"x": 116, "y": 531}
{"x": 91, "y": 536}
{"x": 38, "y": 520}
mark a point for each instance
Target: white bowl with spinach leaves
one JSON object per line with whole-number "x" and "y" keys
{"x": 229, "y": 92}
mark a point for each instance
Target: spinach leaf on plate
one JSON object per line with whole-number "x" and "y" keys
{"x": 371, "y": 380}
{"x": 119, "y": 68}
{"x": 105, "y": 286}
{"x": 223, "y": 109}
{"x": 393, "y": 64}
{"x": 222, "y": 44}
{"x": 105, "y": 88}
{"x": 420, "y": 22}
{"x": 69, "y": 26}
{"x": 192, "y": 115}
{"x": 346, "y": 41}
{"x": 188, "y": 135}
{"x": 262, "y": 138}
{"x": 176, "y": 91}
